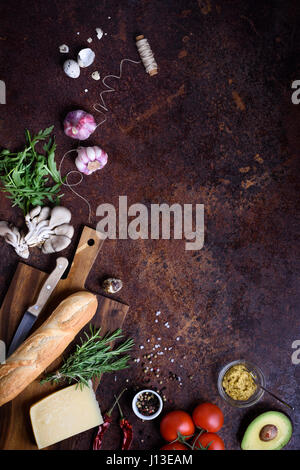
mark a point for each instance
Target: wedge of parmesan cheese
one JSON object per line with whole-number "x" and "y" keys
{"x": 64, "y": 414}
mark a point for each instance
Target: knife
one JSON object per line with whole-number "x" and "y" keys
{"x": 33, "y": 312}
{"x": 2, "y": 351}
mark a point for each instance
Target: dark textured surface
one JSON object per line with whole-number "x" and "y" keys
{"x": 217, "y": 127}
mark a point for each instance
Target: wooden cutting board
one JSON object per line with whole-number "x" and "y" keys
{"x": 15, "y": 426}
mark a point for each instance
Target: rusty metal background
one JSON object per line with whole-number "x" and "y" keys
{"x": 216, "y": 126}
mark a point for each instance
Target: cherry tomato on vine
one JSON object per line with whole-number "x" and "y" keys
{"x": 175, "y": 423}
{"x": 174, "y": 446}
{"x": 208, "y": 416}
{"x": 211, "y": 441}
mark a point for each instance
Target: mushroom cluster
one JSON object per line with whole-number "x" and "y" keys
{"x": 49, "y": 229}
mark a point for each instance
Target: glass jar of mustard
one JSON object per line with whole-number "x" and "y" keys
{"x": 236, "y": 385}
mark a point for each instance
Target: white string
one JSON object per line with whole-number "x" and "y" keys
{"x": 110, "y": 89}
{"x": 146, "y": 55}
{"x": 70, "y": 185}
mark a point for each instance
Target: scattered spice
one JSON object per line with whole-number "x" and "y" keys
{"x": 147, "y": 403}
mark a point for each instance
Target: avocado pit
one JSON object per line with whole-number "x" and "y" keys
{"x": 261, "y": 435}
{"x": 268, "y": 433}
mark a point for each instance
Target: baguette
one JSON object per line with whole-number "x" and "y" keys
{"x": 46, "y": 344}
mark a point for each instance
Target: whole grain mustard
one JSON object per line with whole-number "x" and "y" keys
{"x": 238, "y": 383}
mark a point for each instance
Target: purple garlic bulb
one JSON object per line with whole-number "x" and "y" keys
{"x": 90, "y": 159}
{"x": 79, "y": 124}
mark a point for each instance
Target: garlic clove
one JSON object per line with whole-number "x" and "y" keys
{"x": 71, "y": 68}
{"x": 81, "y": 166}
{"x": 102, "y": 157}
{"x": 85, "y": 57}
{"x": 98, "y": 151}
{"x": 90, "y": 153}
{"x": 83, "y": 155}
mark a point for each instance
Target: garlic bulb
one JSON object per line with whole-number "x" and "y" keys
{"x": 79, "y": 124}
{"x": 90, "y": 159}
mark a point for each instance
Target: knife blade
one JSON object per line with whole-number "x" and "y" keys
{"x": 2, "y": 351}
{"x": 33, "y": 312}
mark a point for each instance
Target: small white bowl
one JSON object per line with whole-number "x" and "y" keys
{"x": 140, "y": 415}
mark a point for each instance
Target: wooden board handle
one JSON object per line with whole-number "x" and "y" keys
{"x": 88, "y": 248}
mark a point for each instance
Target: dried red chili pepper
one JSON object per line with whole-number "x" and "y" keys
{"x": 126, "y": 428}
{"x": 107, "y": 419}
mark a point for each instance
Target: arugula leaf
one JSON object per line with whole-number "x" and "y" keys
{"x": 52, "y": 168}
{"x": 25, "y": 175}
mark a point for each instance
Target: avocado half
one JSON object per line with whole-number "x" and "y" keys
{"x": 271, "y": 430}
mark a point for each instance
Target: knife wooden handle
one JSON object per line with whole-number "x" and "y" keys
{"x": 49, "y": 286}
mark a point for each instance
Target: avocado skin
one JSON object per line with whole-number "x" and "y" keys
{"x": 251, "y": 439}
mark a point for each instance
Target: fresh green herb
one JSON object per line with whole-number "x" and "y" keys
{"x": 93, "y": 357}
{"x": 24, "y": 175}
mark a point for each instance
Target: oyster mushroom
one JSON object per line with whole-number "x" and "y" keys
{"x": 55, "y": 243}
{"x": 60, "y": 240}
{"x": 44, "y": 224}
{"x": 59, "y": 215}
{"x": 47, "y": 229}
{"x": 13, "y": 237}
{"x": 65, "y": 229}
{"x": 44, "y": 214}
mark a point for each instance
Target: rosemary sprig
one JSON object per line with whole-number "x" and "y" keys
{"x": 24, "y": 175}
{"x": 93, "y": 357}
